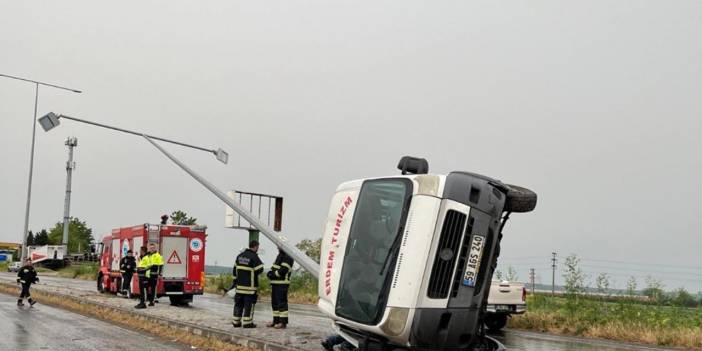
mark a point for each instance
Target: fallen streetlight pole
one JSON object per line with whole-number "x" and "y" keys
{"x": 281, "y": 241}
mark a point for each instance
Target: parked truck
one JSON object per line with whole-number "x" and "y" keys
{"x": 183, "y": 251}
{"x": 506, "y": 298}
{"x": 50, "y": 256}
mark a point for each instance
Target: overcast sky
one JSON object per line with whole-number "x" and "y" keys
{"x": 595, "y": 105}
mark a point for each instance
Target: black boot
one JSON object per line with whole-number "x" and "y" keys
{"x": 276, "y": 320}
{"x": 141, "y": 305}
{"x": 32, "y": 302}
{"x": 20, "y": 303}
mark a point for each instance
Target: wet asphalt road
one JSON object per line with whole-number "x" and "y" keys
{"x": 310, "y": 316}
{"x": 47, "y": 328}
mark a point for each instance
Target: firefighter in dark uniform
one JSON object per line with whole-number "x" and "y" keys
{"x": 127, "y": 265}
{"x": 26, "y": 276}
{"x": 279, "y": 276}
{"x": 247, "y": 268}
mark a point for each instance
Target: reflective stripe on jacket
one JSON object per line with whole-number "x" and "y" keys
{"x": 282, "y": 268}
{"x": 246, "y": 270}
{"x": 27, "y": 274}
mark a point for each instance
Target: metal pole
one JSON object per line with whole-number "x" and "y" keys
{"x": 71, "y": 143}
{"x": 532, "y": 275}
{"x": 278, "y": 239}
{"x": 23, "y": 254}
{"x": 553, "y": 274}
{"x": 31, "y": 171}
{"x": 42, "y": 83}
{"x": 137, "y": 133}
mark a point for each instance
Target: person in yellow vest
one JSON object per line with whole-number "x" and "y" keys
{"x": 154, "y": 271}
{"x": 142, "y": 268}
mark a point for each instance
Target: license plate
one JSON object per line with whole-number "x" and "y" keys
{"x": 502, "y": 308}
{"x": 473, "y": 260}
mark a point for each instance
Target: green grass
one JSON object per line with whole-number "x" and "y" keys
{"x": 627, "y": 320}
{"x": 3, "y": 266}
{"x": 83, "y": 271}
{"x": 303, "y": 286}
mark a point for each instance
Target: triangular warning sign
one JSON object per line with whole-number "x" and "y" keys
{"x": 36, "y": 256}
{"x": 174, "y": 258}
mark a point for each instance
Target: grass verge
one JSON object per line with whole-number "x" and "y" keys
{"x": 130, "y": 321}
{"x": 623, "y": 321}
{"x": 303, "y": 287}
{"x": 86, "y": 271}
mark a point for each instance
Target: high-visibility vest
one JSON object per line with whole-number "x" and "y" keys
{"x": 143, "y": 265}
{"x": 155, "y": 264}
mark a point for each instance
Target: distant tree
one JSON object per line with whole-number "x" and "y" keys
{"x": 574, "y": 276}
{"x": 30, "y": 238}
{"x": 602, "y": 282}
{"x": 631, "y": 286}
{"x": 181, "y": 218}
{"x": 512, "y": 274}
{"x": 574, "y": 282}
{"x": 311, "y": 248}
{"x": 498, "y": 274}
{"x": 41, "y": 238}
{"x": 683, "y": 298}
{"x": 79, "y": 235}
{"x": 654, "y": 289}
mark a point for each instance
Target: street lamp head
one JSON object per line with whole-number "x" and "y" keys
{"x": 222, "y": 156}
{"x": 49, "y": 121}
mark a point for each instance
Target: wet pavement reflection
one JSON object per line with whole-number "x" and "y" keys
{"x": 46, "y": 328}
{"x": 515, "y": 340}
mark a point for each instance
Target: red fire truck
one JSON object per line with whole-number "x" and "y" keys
{"x": 183, "y": 251}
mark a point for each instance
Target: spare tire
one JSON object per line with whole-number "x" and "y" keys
{"x": 519, "y": 199}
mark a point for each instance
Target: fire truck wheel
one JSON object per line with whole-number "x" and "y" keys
{"x": 175, "y": 300}
{"x": 519, "y": 199}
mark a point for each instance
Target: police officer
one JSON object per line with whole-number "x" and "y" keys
{"x": 127, "y": 266}
{"x": 26, "y": 276}
{"x": 142, "y": 268}
{"x": 154, "y": 270}
{"x": 279, "y": 276}
{"x": 246, "y": 270}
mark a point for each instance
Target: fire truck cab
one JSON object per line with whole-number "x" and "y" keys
{"x": 183, "y": 251}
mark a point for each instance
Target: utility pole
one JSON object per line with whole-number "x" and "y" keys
{"x": 36, "y": 84}
{"x": 71, "y": 142}
{"x": 532, "y": 277}
{"x": 553, "y": 275}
